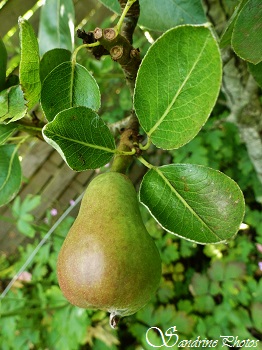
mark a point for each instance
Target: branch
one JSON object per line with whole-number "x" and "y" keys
{"x": 130, "y": 20}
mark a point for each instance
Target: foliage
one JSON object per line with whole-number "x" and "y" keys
{"x": 206, "y": 290}
{"x": 170, "y": 105}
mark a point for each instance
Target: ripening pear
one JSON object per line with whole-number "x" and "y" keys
{"x": 108, "y": 260}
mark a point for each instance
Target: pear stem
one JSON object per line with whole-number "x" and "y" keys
{"x": 127, "y": 143}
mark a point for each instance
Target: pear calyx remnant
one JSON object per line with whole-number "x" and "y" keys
{"x": 108, "y": 260}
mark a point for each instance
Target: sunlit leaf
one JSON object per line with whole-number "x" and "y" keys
{"x": 177, "y": 85}
{"x": 29, "y": 71}
{"x": 56, "y": 26}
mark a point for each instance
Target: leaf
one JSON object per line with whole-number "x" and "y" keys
{"x": 247, "y": 33}
{"x": 81, "y": 137}
{"x": 235, "y": 270}
{"x": 113, "y": 5}
{"x": 194, "y": 202}
{"x": 177, "y": 85}
{"x": 56, "y": 27}
{"x": 216, "y": 271}
{"x": 3, "y": 104}
{"x": 225, "y": 39}
{"x": 26, "y": 228}
{"x": 29, "y": 63}
{"x": 3, "y": 63}
{"x": 204, "y": 304}
{"x": 29, "y": 203}
{"x": 10, "y": 174}
{"x": 199, "y": 284}
{"x": 6, "y": 131}
{"x": 256, "y": 71}
{"x": 69, "y": 85}
{"x": 52, "y": 59}
{"x": 256, "y": 311}
{"x": 12, "y": 104}
{"x": 165, "y": 14}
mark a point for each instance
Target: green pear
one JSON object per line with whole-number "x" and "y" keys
{"x": 108, "y": 260}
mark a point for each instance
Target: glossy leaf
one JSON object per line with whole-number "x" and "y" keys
{"x": 165, "y": 14}
{"x": 12, "y": 104}
{"x": 177, "y": 85}
{"x": 69, "y": 85}
{"x": 247, "y": 33}
{"x": 10, "y": 174}
{"x": 6, "y": 131}
{"x": 256, "y": 71}
{"x": 3, "y": 63}
{"x": 52, "y": 59}
{"x": 81, "y": 137}
{"x": 29, "y": 69}
{"x": 194, "y": 202}
{"x": 56, "y": 27}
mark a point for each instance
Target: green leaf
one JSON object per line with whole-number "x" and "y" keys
{"x": 12, "y": 104}
{"x": 256, "y": 71}
{"x": 69, "y": 85}
{"x": 227, "y": 34}
{"x": 6, "y": 131}
{"x": 3, "y": 104}
{"x": 3, "y": 63}
{"x": 81, "y": 137}
{"x": 204, "y": 303}
{"x": 216, "y": 271}
{"x": 113, "y": 5}
{"x": 52, "y": 59}
{"x": 235, "y": 270}
{"x": 10, "y": 174}
{"x": 199, "y": 284}
{"x": 177, "y": 85}
{"x": 56, "y": 27}
{"x": 194, "y": 202}
{"x": 247, "y": 33}
{"x": 30, "y": 203}
{"x": 26, "y": 228}
{"x": 29, "y": 64}
{"x": 256, "y": 312}
{"x": 165, "y": 14}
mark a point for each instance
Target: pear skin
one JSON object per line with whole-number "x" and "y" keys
{"x": 108, "y": 260}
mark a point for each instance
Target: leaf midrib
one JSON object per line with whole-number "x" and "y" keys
{"x": 166, "y": 112}
{"x": 186, "y": 204}
{"x": 80, "y": 142}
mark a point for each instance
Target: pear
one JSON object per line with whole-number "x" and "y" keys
{"x": 108, "y": 260}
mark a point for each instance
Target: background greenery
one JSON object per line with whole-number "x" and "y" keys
{"x": 205, "y": 291}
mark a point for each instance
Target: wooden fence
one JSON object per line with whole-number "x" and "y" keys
{"x": 46, "y": 174}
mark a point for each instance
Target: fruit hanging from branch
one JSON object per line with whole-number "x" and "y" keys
{"x": 108, "y": 260}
